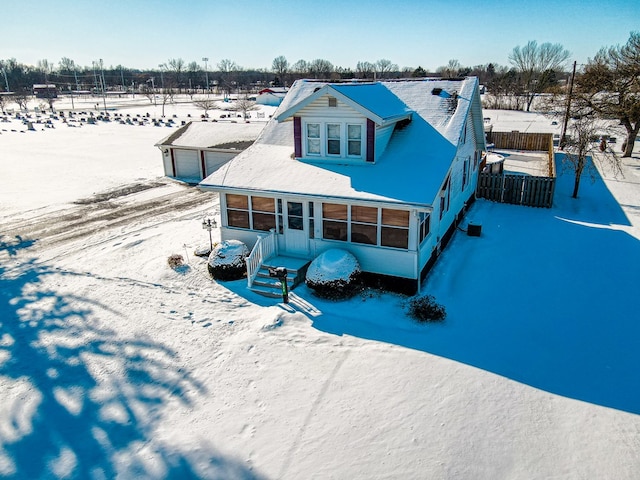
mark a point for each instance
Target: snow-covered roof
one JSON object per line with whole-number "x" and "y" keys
{"x": 212, "y": 134}
{"x": 410, "y": 171}
{"x": 372, "y": 100}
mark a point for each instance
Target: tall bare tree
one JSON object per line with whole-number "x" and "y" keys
{"x": 580, "y": 148}
{"x": 227, "y": 69}
{"x": 177, "y": 67}
{"x": 321, "y": 68}
{"x": 610, "y": 86}
{"x": 450, "y": 70}
{"x": 365, "y": 70}
{"x": 384, "y": 67}
{"x": 280, "y": 67}
{"x": 532, "y": 60}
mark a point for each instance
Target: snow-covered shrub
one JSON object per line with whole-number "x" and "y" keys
{"x": 227, "y": 260}
{"x": 334, "y": 274}
{"x": 175, "y": 261}
{"x": 425, "y": 309}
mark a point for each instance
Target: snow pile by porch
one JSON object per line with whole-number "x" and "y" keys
{"x": 230, "y": 253}
{"x": 333, "y": 265}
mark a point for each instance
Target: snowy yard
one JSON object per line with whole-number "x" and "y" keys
{"x": 112, "y": 364}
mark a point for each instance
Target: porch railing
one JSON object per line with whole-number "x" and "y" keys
{"x": 265, "y": 248}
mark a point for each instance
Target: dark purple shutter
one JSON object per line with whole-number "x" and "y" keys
{"x": 371, "y": 140}
{"x": 297, "y": 137}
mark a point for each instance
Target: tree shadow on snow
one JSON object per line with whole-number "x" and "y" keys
{"x": 546, "y": 297}
{"x": 80, "y": 401}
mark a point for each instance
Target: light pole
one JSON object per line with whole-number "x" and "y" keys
{"x": 161, "y": 76}
{"x": 6, "y": 82}
{"x": 104, "y": 87}
{"x": 206, "y": 72}
{"x": 209, "y": 224}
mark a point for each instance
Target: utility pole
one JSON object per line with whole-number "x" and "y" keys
{"x": 566, "y": 114}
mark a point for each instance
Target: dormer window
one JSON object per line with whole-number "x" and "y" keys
{"x": 354, "y": 140}
{"x": 313, "y": 138}
{"x": 332, "y": 139}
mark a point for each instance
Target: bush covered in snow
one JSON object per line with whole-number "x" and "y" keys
{"x": 334, "y": 274}
{"x": 227, "y": 260}
{"x": 425, "y": 309}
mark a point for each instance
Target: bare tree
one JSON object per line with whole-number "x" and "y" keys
{"x": 321, "y": 68}
{"x": 227, "y": 69}
{"x": 580, "y": 148}
{"x": 46, "y": 67}
{"x": 300, "y": 67}
{"x": 280, "y": 67}
{"x": 384, "y": 67}
{"x": 532, "y": 60}
{"x": 244, "y": 105}
{"x": 21, "y": 99}
{"x": 205, "y": 104}
{"x": 365, "y": 70}
{"x": 450, "y": 70}
{"x": 177, "y": 66}
{"x": 610, "y": 86}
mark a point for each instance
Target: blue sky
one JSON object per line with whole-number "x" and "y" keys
{"x": 145, "y": 33}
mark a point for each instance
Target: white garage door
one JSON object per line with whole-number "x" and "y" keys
{"x": 187, "y": 165}
{"x": 214, "y": 160}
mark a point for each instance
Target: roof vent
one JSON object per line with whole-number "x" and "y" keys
{"x": 436, "y": 92}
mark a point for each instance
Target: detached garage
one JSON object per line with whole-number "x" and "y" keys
{"x": 198, "y": 149}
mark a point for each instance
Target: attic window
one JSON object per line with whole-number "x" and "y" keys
{"x": 333, "y": 102}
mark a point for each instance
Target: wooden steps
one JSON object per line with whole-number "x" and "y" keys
{"x": 269, "y": 286}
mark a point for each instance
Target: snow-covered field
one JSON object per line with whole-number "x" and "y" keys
{"x": 112, "y": 364}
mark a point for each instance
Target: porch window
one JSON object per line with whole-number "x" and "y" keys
{"x": 395, "y": 228}
{"x": 263, "y": 213}
{"x": 364, "y": 225}
{"x": 334, "y": 221}
{"x": 425, "y": 225}
{"x": 237, "y": 210}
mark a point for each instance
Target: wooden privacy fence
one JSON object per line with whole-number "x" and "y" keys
{"x": 517, "y": 189}
{"x": 520, "y": 141}
{"x": 532, "y": 191}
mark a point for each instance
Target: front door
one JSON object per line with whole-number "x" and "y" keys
{"x": 295, "y": 229}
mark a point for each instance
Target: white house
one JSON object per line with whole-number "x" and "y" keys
{"x": 271, "y": 96}
{"x": 384, "y": 170}
{"x": 198, "y": 149}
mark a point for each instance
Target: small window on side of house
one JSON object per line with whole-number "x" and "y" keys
{"x": 333, "y": 102}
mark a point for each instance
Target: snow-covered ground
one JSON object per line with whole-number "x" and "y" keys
{"x": 113, "y": 364}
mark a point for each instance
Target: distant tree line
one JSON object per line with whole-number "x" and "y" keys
{"x": 608, "y": 86}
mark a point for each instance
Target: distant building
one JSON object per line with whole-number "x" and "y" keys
{"x": 45, "y": 91}
{"x": 271, "y": 96}
{"x": 198, "y": 149}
